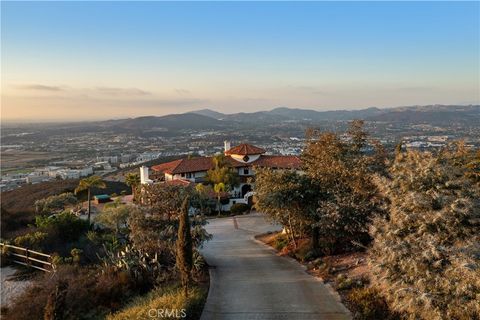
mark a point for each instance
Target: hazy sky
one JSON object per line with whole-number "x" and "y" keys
{"x": 97, "y": 60}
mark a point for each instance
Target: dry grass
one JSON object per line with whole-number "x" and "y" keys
{"x": 167, "y": 303}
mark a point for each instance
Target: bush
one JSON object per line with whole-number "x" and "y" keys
{"x": 239, "y": 208}
{"x": 32, "y": 240}
{"x": 4, "y": 259}
{"x": 367, "y": 304}
{"x": 89, "y": 294}
{"x": 54, "y": 233}
{"x": 65, "y": 226}
{"x": 14, "y": 223}
{"x": 281, "y": 241}
{"x": 55, "y": 203}
{"x": 425, "y": 258}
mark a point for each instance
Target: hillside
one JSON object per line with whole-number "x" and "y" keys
{"x": 436, "y": 114}
{"x": 170, "y": 122}
{"x": 18, "y": 208}
{"x": 209, "y": 113}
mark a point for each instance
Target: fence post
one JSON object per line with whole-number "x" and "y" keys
{"x": 26, "y": 256}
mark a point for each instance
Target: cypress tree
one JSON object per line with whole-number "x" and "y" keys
{"x": 55, "y": 307}
{"x": 184, "y": 247}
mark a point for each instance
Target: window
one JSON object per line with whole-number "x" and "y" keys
{"x": 189, "y": 175}
{"x": 245, "y": 171}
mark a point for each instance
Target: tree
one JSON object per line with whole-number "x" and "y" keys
{"x": 425, "y": 257}
{"x": 87, "y": 184}
{"x": 222, "y": 173}
{"x": 202, "y": 195}
{"x": 288, "y": 198}
{"x": 347, "y": 196}
{"x": 184, "y": 247}
{"x": 219, "y": 188}
{"x": 154, "y": 226}
{"x": 114, "y": 217}
{"x": 132, "y": 180}
{"x": 358, "y": 136}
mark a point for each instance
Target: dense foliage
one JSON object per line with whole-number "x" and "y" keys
{"x": 239, "y": 208}
{"x": 55, "y": 203}
{"x": 86, "y": 294}
{"x": 425, "y": 258}
{"x": 131, "y": 250}
{"x": 53, "y": 233}
{"x": 334, "y": 198}
{"x": 222, "y": 173}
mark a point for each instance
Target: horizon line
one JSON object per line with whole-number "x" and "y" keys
{"x": 60, "y": 121}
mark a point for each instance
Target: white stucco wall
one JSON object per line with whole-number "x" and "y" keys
{"x": 239, "y": 157}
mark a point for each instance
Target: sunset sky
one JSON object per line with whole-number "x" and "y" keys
{"x": 100, "y": 60}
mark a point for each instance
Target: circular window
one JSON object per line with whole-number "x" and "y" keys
{"x": 246, "y": 158}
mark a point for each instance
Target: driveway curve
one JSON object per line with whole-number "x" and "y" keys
{"x": 249, "y": 281}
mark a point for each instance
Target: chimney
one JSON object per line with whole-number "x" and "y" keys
{"x": 226, "y": 145}
{"x": 144, "y": 175}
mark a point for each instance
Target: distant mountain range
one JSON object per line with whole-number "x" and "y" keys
{"x": 206, "y": 119}
{"x": 170, "y": 125}
{"x": 436, "y": 114}
{"x": 168, "y": 122}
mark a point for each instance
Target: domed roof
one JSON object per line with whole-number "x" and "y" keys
{"x": 245, "y": 149}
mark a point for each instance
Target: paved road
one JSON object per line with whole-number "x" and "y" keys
{"x": 249, "y": 281}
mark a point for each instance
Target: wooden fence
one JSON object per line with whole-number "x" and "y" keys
{"x": 29, "y": 258}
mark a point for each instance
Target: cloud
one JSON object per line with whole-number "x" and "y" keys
{"x": 182, "y": 92}
{"x": 40, "y": 87}
{"x": 121, "y": 91}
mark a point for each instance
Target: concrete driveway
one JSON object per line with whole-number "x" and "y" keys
{"x": 249, "y": 281}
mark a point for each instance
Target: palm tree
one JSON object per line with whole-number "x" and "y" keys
{"x": 132, "y": 180}
{"x": 219, "y": 188}
{"x": 88, "y": 184}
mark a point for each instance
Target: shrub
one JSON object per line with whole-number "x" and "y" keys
{"x": 141, "y": 267}
{"x": 32, "y": 240}
{"x": 4, "y": 259}
{"x": 65, "y": 226}
{"x": 425, "y": 258}
{"x": 239, "y": 208}
{"x": 54, "y": 234}
{"x": 367, "y": 304}
{"x": 281, "y": 241}
{"x": 76, "y": 255}
{"x": 88, "y": 294}
{"x": 13, "y": 223}
{"x": 55, "y": 203}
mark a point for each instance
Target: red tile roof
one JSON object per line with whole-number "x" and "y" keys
{"x": 245, "y": 149}
{"x": 185, "y": 165}
{"x": 179, "y": 182}
{"x": 167, "y": 166}
{"x": 206, "y": 163}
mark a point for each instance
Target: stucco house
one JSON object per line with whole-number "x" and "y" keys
{"x": 244, "y": 158}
